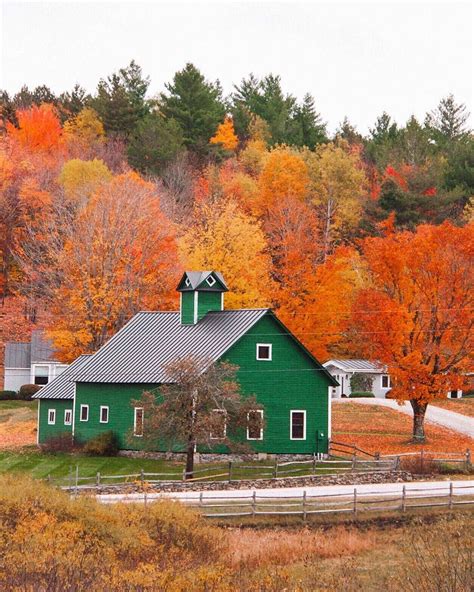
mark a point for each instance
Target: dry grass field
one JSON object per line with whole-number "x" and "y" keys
{"x": 378, "y": 429}
{"x": 17, "y": 423}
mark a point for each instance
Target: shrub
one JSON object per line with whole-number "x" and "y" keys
{"x": 419, "y": 464}
{"x": 105, "y": 444}
{"x": 361, "y": 394}
{"x": 362, "y": 383}
{"x": 27, "y": 391}
{"x": 7, "y": 395}
{"x": 60, "y": 443}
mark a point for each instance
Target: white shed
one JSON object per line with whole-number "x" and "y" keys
{"x": 344, "y": 370}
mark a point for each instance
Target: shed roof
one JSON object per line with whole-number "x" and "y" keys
{"x": 23, "y": 354}
{"x": 192, "y": 280}
{"x": 363, "y": 366}
{"x": 62, "y": 387}
{"x": 139, "y": 352}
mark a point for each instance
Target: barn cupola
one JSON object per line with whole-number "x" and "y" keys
{"x": 200, "y": 292}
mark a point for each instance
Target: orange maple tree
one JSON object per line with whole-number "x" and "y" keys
{"x": 417, "y": 316}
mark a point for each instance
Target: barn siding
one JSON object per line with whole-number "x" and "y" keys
{"x": 47, "y": 431}
{"x": 208, "y": 301}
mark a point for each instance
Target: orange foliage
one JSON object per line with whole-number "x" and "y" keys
{"x": 39, "y": 128}
{"x": 417, "y": 315}
{"x": 120, "y": 257}
{"x": 284, "y": 175}
{"x": 225, "y": 135}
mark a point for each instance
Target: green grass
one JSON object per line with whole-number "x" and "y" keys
{"x": 7, "y": 405}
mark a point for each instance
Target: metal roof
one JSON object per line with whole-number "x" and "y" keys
{"x": 22, "y": 355}
{"x": 357, "y": 366}
{"x": 192, "y": 280}
{"x": 62, "y": 387}
{"x": 139, "y": 352}
{"x": 17, "y": 355}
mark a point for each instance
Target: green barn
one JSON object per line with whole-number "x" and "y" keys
{"x": 94, "y": 394}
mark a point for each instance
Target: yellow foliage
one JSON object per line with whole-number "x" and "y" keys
{"x": 337, "y": 187}
{"x": 80, "y": 178}
{"x": 86, "y": 127}
{"x": 225, "y": 135}
{"x": 233, "y": 243}
{"x": 254, "y": 156}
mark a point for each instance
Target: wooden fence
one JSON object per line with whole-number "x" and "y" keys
{"x": 260, "y": 504}
{"x": 231, "y": 472}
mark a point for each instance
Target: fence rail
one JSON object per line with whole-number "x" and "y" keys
{"x": 231, "y": 472}
{"x": 258, "y": 504}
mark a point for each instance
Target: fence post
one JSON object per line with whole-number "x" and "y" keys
{"x": 142, "y": 477}
{"x": 97, "y": 479}
{"x": 354, "y": 459}
{"x": 450, "y": 502}
{"x": 200, "y": 499}
{"x": 254, "y": 502}
{"x": 304, "y": 505}
{"x": 314, "y": 464}
{"x": 184, "y": 474}
{"x": 275, "y": 470}
{"x": 230, "y": 471}
{"x": 49, "y": 478}
{"x": 77, "y": 480}
{"x": 404, "y": 498}
{"x": 422, "y": 455}
{"x": 70, "y": 478}
{"x": 468, "y": 460}
{"x": 354, "y": 509}
{"x": 397, "y": 464}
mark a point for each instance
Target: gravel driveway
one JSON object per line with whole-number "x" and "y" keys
{"x": 447, "y": 419}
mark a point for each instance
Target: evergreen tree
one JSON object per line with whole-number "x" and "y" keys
{"x": 71, "y": 103}
{"x": 196, "y": 105}
{"x": 383, "y": 137}
{"x": 7, "y": 111}
{"x": 120, "y": 100}
{"x": 349, "y": 132}
{"x": 155, "y": 143}
{"x": 309, "y": 129}
{"x": 447, "y": 122}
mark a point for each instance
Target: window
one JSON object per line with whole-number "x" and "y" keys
{"x": 298, "y": 425}
{"x": 104, "y": 415}
{"x": 138, "y": 421}
{"x": 51, "y": 416}
{"x": 218, "y": 424}
{"x": 255, "y": 425}
{"x": 60, "y": 368}
{"x": 84, "y": 415}
{"x": 264, "y": 351}
{"x": 41, "y": 375}
{"x": 187, "y": 282}
{"x": 68, "y": 417}
{"x": 385, "y": 381}
{"x": 210, "y": 280}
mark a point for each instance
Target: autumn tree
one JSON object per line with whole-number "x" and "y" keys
{"x": 39, "y": 129}
{"x": 81, "y": 178}
{"x": 284, "y": 174}
{"x": 416, "y": 317}
{"x": 119, "y": 256}
{"x": 199, "y": 406}
{"x": 226, "y": 239}
{"x": 338, "y": 187}
{"x": 225, "y": 136}
{"x": 85, "y": 128}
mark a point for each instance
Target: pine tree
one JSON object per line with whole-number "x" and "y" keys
{"x": 448, "y": 121}
{"x": 120, "y": 100}
{"x": 196, "y": 105}
{"x": 309, "y": 129}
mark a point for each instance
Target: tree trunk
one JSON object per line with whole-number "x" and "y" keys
{"x": 419, "y": 410}
{"x": 190, "y": 458}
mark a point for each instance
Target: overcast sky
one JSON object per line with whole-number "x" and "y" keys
{"x": 357, "y": 59}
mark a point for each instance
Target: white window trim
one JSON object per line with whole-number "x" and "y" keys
{"x": 269, "y": 345}
{"x": 210, "y": 280}
{"x": 389, "y": 381}
{"x": 100, "y": 414}
{"x": 187, "y": 282}
{"x": 53, "y": 421}
{"x": 66, "y": 411}
{"x": 261, "y": 425}
{"x": 211, "y": 437}
{"x": 135, "y": 409}
{"x": 303, "y": 411}
{"x": 80, "y": 413}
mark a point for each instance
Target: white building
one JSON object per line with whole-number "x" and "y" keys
{"x": 344, "y": 370}
{"x": 30, "y": 362}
